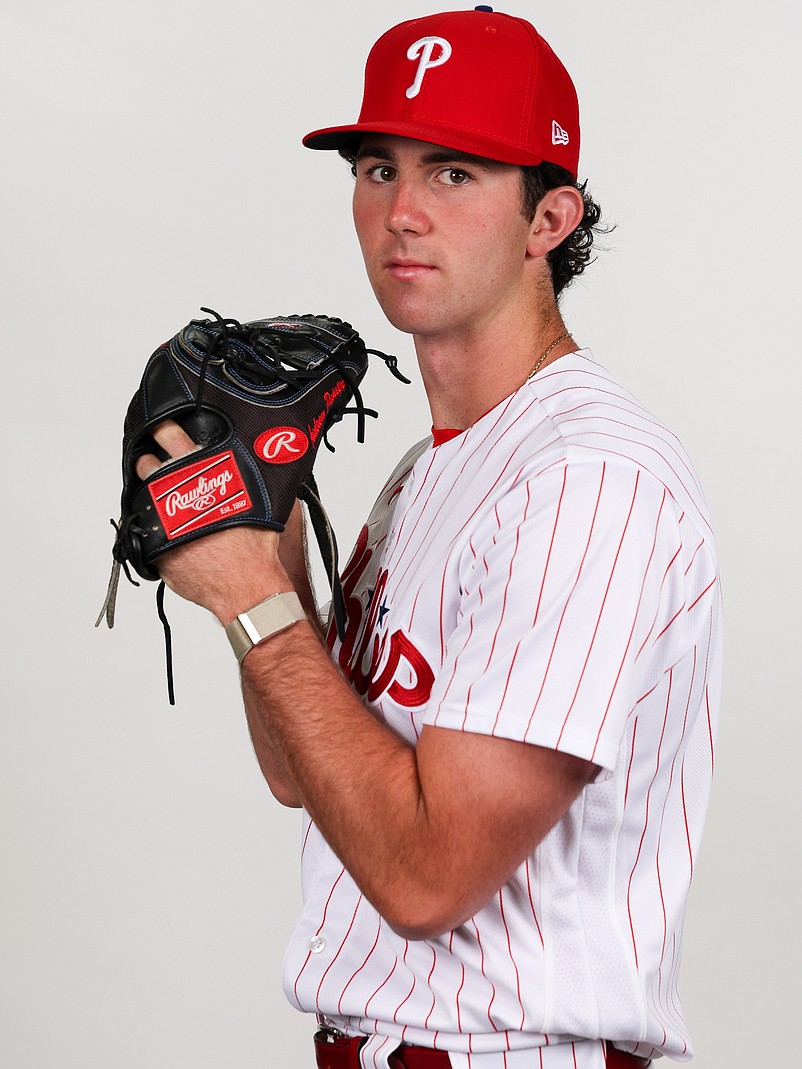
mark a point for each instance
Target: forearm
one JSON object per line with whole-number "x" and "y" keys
{"x": 270, "y": 761}
{"x": 357, "y": 779}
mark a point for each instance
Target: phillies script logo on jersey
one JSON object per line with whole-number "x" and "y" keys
{"x": 199, "y": 494}
{"x": 281, "y": 445}
{"x": 392, "y": 649}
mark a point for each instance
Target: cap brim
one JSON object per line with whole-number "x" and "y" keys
{"x": 337, "y": 137}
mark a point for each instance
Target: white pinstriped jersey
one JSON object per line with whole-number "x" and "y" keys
{"x": 548, "y": 575}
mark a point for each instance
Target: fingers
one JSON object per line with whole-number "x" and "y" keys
{"x": 173, "y": 439}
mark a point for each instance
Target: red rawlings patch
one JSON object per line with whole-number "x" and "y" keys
{"x": 200, "y": 494}
{"x": 281, "y": 445}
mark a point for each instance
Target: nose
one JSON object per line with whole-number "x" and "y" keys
{"x": 406, "y": 212}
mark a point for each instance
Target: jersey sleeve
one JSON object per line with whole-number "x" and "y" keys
{"x": 572, "y": 590}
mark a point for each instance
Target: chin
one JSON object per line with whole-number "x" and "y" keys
{"x": 409, "y": 318}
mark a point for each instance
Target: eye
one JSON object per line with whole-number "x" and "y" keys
{"x": 453, "y": 176}
{"x": 382, "y": 173}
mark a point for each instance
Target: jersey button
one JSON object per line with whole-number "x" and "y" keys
{"x": 317, "y": 944}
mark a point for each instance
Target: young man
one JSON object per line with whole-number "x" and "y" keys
{"x": 505, "y": 764}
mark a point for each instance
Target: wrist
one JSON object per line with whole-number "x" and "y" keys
{"x": 270, "y": 617}
{"x": 240, "y": 597}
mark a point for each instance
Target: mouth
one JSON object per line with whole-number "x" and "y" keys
{"x": 404, "y": 269}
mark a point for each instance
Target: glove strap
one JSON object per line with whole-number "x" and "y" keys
{"x": 269, "y": 617}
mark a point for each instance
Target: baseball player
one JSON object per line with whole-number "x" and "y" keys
{"x": 504, "y": 764}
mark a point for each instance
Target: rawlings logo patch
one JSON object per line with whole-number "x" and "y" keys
{"x": 281, "y": 445}
{"x": 200, "y": 494}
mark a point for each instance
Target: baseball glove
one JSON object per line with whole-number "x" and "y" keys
{"x": 258, "y": 399}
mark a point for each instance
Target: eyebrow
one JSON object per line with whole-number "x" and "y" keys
{"x": 380, "y": 152}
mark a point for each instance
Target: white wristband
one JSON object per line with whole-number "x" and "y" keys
{"x": 269, "y": 617}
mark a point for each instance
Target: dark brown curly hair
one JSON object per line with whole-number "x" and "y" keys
{"x": 571, "y": 256}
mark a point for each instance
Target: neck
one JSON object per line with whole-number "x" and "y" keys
{"x": 465, "y": 377}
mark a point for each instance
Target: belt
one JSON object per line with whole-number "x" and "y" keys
{"x": 342, "y": 1052}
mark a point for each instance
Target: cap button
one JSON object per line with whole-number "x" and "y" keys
{"x": 483, "y": 7}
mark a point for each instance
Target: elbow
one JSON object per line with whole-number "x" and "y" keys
{"x": 420, "y": 914}
{"x": 419, "y": 930}
{"x": 284, "y": 793}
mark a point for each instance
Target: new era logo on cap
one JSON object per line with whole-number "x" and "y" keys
{"x": 558, "y": 135}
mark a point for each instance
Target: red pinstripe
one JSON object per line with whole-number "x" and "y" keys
{"x": 682, "y": 791}
{"x": 484, "y": 974}
{"x": 429, "y": 982}
{"x": 306, "y": 839}
{"x": 331, "y": 964}
{"x": 662, "y": 824}
{"x": 598, "y": 621}
{"x": 459, "y": 992}
{"x": 357, "y": 971}
{"x": 685, "y": 815}
{"x": 646, "y": 818}
{"x": 710, "y": 730}
{"x": 509, "y": 576}
{"x": 551, "y": 544}
{"x": 442, "y": 610}
{"x": 319, "y": 930}
{"x": 487, "y": 573}
{"x": 674, "y": 969}
{"x": 567, "y": 600}
{"x": 378, "y": 1050}
{"x": 512, "y": 956}
{"x": 453, "y": 673}
{"x": 467, "y": 642}
{"x": 506, "y": 687}
{"x": 634, "y": 620}
{"x": 693, "y": 556}
{"x": 673, "y": 620}
{"x": 509, "y": 580}
{"x": 379, "y": 988}
{"x": 706, "y": 590}
{"x": 532, "y": 903}
{"x": 631, "y": 758}
{"x": 668, "y": 568}
{"x": 409, "y": 993}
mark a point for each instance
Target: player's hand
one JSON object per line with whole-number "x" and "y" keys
{"x": 228, "y": 571}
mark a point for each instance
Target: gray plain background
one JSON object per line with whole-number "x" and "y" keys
{"x": 152, "y": 165}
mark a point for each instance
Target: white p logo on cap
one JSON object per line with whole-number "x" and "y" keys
{"x": 423, "y": 51}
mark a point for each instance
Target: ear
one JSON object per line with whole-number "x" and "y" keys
{"x": 557, "y": 215}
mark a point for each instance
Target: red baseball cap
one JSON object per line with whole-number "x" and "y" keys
{"x": 474, "y": 81}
